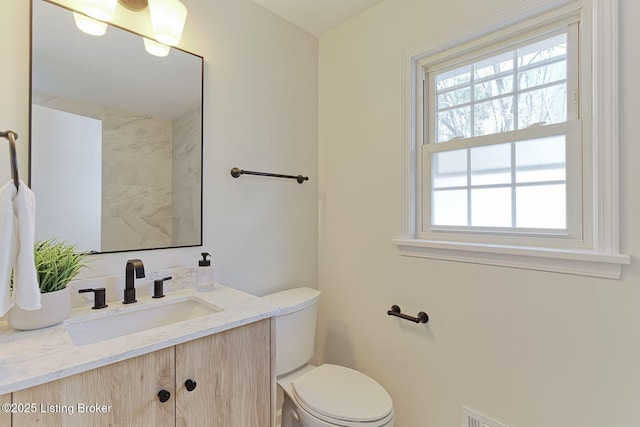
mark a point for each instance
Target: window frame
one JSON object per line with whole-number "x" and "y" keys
{"x": 596, "y": 252}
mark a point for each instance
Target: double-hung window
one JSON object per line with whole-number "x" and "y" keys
{"x": 502, "y": 149}
{"x": 501, "y": 165}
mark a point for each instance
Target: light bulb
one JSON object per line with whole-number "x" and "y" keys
{"x": 155, "y": 48}
{"x": 89, "y": 25}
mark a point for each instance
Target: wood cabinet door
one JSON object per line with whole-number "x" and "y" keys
{"x": 121, "y": 394}
{"x": 5, "y": 414}
{"x": 233, "y": 375}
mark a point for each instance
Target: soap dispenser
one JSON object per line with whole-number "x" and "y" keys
{"x": 204, "y": 281}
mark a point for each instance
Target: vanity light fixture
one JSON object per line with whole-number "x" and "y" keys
{"x": 89, "y": 25}
{"x": 167, "y": 20}
{"x": 135, "y": 5}
{"x": 155, "y": 48}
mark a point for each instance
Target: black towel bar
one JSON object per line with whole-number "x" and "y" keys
{"x": 13, "y": 158}
{"x": 395, "y": 311}
{"x": 236, "y": 172}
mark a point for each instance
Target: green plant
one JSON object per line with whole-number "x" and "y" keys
{"x": 57, "y": 263}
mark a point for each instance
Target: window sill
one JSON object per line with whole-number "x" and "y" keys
{"x": 568, "y": 261}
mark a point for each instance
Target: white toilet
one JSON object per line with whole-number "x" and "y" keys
{"x": 327, "y": 395}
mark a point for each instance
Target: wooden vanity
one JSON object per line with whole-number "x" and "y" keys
{"x": 222, "y": 378}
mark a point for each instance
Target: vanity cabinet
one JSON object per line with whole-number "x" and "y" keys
{"x": 5, "y": 416}
{"x": 225, "y": 379}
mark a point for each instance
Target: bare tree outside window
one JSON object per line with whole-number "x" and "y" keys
{"x": 509, "y": 91}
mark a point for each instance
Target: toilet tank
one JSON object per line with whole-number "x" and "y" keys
{"x": 295, "y": 327}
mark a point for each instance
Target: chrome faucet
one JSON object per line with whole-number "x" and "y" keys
{"x": 129, "y": 281}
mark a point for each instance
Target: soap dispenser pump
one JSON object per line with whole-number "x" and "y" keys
{"x": 205, "y": 274}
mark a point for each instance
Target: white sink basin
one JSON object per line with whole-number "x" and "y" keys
{"x": 129, "y": 319}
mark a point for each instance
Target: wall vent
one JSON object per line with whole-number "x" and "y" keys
{"x": 471, "y": 418}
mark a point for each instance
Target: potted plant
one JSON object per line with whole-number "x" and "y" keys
{"x": 57, "y": 263}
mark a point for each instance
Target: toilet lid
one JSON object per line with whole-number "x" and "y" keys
{"x": 343, "y": 394}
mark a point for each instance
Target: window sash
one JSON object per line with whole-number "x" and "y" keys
{"x": 430, "y": 92}
{"x": 571, "y": 236}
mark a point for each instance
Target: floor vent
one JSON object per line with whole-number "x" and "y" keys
{"x": 471, "y": 418}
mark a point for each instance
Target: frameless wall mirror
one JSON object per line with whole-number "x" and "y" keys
{"x": 116, "y": 138}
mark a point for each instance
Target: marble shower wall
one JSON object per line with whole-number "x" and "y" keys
{"x": 151, "y": 192}
{"x": 136, "y": 181}
{"x": 186, "y": 178}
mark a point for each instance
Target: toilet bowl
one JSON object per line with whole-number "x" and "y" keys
{"x": 327, "y": 395}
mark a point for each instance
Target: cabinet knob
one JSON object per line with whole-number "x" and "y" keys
{"x": 164, "y": 395}
{"x": 190, "y": 384}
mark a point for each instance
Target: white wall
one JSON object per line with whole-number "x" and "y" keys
{"x": 78, "y": 159}
{"x": 260, "y": 113}
{"x": 530, "y": 349}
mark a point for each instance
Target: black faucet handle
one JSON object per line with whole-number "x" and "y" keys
{"x": 158, "y": 287}
{"x": 99, "y": 297}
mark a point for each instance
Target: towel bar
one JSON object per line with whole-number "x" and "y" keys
{"x": 421, "y": 318}
{"x": 12, "y": 136}
{"x": 236, "y": 172}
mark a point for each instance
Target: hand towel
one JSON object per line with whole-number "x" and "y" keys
{"x": 17, "y": 238}
{"x": 8, "y": 247}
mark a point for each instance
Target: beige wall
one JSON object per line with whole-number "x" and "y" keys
{"x": 260, "y": 113}
{"x": 530, "y": 349}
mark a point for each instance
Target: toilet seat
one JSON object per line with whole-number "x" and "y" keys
{"x": 343, "y": 396}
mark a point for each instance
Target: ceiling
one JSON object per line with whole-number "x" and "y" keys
{"x": 317, "y": 16}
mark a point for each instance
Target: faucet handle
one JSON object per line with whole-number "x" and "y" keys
{"x": 99, "y": 297}
{"x": 158, "y": 288}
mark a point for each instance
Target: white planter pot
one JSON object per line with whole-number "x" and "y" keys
{"x": 56, "y": 307}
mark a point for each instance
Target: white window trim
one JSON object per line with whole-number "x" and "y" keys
{"x": 603, "y": 258}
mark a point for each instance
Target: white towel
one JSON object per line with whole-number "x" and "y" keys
{"x": 8, "y": 248}
{"x": 17, "y": 236}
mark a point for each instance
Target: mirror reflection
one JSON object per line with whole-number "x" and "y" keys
{"x": 116, "y": 138}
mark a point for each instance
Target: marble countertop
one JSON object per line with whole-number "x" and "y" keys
{"x": 29, "y": 358}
